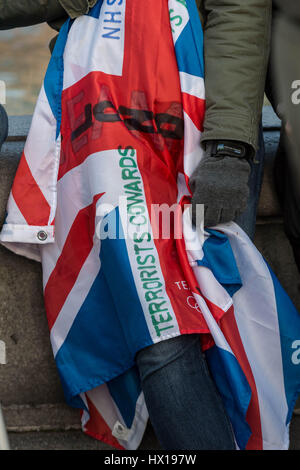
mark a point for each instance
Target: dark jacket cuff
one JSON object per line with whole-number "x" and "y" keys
{"x": 219, "y": 127}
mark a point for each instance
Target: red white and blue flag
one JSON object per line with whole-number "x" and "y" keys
{"x": 115, "y": 132}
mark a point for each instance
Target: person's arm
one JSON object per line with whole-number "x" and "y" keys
{"x": 236, "y": 48}
{"x": 20, "y": 13}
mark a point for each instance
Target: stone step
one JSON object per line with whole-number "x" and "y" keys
{"x": 57, "y": 427}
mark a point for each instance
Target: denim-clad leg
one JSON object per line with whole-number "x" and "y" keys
{"x": 185, "y": 408}
{"x": 247, "y": 220}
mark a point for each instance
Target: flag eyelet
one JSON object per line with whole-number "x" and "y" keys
{"x": 42, "y": 235}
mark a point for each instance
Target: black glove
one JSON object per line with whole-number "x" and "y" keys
{"x": 220, "y": 182}
{"x": 3, "y": 125}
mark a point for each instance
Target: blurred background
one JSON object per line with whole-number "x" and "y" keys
{"x": 24, "y": 56}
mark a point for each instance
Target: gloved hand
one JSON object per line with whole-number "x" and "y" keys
{"x": 3, "y": 125}
{"x": 220, "y": 182}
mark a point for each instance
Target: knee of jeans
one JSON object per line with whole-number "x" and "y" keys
{"x": 158, "y": 355}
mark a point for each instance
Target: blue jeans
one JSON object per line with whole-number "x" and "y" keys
{"x": 185, "y": 408}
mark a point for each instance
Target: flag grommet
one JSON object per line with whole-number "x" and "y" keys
{"x": 42, "y": 236}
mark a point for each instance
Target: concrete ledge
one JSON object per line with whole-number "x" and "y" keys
{"x": 43, "y": 417}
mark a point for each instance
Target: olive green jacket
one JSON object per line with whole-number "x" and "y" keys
{"x": 236, "y": 46}
{"x": 236, "y": 51}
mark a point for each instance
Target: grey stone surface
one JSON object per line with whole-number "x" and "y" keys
{"x": 30, "y": 374}
{"x": 18, "y": 127}
{"x": 71, "y": 440}
{"x": 274, "y": 246}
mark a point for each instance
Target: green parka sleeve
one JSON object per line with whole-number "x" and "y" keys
{"x": 236, "y": 50}
{"x": 16, "y": 13}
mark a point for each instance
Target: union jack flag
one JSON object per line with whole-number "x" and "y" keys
{"x": 120, "y": 115}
